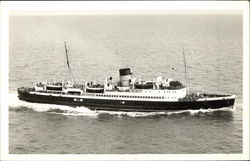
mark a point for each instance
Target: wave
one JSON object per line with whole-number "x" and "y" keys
{"x": 17, "y": 105}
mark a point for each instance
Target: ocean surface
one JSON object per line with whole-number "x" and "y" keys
{"x": 151, "y": 45}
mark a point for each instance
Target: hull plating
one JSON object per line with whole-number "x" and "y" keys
{"x": 125, "y": 105}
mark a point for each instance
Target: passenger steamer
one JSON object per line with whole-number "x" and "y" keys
{"x": 127, "y": 94}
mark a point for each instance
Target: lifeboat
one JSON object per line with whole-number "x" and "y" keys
{"x": 144, "y": 85}
{"x": 90, "y": 88}
{"x": 175, "y": 85}
{"x": 54, "y": 86}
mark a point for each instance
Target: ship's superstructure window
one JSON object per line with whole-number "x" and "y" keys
{"x": 145, "y": 94}
{"x": 134, "y": 96}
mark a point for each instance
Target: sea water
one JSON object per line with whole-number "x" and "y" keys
{"x": 151, "y": 45}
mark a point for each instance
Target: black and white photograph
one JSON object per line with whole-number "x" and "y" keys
{"x": 129, "y": 81}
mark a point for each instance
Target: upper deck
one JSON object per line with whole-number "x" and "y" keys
{"x": 139, "y": 94}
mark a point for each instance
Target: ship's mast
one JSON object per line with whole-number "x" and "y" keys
{"x": 186, "y": 70}
{"x": 67, "y": 58}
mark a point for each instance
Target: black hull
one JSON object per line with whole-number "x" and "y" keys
{"x": 124, "y": 105}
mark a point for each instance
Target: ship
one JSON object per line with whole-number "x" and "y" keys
{"x": 126, "y": 94}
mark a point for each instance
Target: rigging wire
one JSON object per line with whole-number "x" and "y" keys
{"x": 186, "y": 71}
{"x": 67, "y": 59}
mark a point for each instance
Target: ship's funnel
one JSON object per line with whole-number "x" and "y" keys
{"x": 125, "y": 77}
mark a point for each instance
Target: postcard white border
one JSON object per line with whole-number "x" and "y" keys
{"x": 107, "y": 7}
